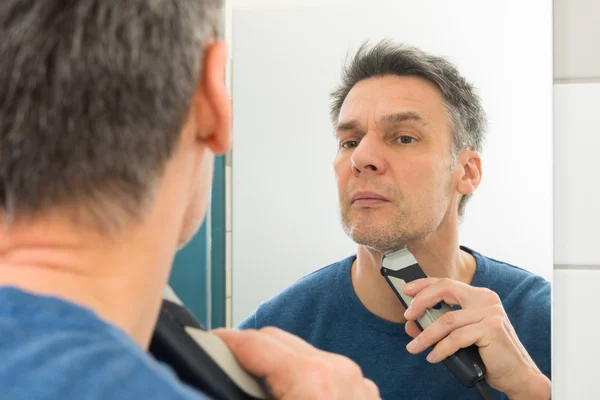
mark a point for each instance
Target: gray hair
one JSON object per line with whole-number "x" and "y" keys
{"x": 94, "y": 96}
{"x": 466, "y": 114}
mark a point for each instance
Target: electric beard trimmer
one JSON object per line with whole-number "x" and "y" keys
{"x": 400, "y": 267}
{"x": 199, "y": 358}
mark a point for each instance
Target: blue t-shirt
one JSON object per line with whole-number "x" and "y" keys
{"x": 323, "y": 309}
{"x": 51, "y": 349}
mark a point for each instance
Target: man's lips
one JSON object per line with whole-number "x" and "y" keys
{"x": 368, "y": 199}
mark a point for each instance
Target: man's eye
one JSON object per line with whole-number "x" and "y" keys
{"x": 405, "y": 139}
{"x": 349, "y": 144}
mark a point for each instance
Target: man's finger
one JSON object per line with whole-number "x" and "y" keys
{"x": 412, "y": 329}
{"x": 477, "y": 334}
{"x": 444, "y": 325}
{"x": 262, "y": 355}
{"x": 371, "y": 389}
{"x": 449, "y": 291}
{"x": 414, "y": 287}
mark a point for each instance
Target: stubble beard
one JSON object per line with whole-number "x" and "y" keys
{"x": 366, "y": 228}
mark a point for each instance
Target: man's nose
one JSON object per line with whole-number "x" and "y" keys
{"x": 368, "y": 157}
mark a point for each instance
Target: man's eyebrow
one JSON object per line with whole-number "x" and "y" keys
{"x": 402, "y": 117}
{"x": 395, "y": 118}
{"x": 346, "y": 126}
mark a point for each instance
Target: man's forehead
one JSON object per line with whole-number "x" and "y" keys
{"x": 384, "y": 98}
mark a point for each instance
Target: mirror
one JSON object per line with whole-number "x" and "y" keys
{"x": 285, "y": 219}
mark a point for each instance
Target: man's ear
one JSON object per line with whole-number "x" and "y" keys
{"x": 469, "y": 167}
{"x": 212, "y": 106}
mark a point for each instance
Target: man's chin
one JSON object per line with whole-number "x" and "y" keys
{"x": 378, "y": 242}
{"x": 381, "y": 247}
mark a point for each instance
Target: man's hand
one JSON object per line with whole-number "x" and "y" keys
{"x": 293, "y": 369}
{"x": 481, "y": 321}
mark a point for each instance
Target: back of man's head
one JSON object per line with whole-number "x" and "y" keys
{"x": 94, "y": 97}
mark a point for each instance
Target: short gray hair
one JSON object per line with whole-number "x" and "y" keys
{"x": 94, "y": 96}
{"x": 467, "y": 117}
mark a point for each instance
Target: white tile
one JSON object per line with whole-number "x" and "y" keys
{"x": 228, "y": 268}
{"x": 576, "y": 168}
{"x": 576, "y": 39}
{"x": 576, "y": 348}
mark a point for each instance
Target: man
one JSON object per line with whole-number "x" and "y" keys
{"x": 110, "y": 116}
{"x": 409, "y": 130}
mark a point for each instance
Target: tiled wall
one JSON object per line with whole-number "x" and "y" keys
{"x": 576, "y": 39}
{"x": 576, "y": 250}
{"x": 576, "y": 200}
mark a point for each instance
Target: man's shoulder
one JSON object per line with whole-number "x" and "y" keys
{"x": 511, "y": 282}
{"x": 309, "y": 294}
{"x": 70, "y": 353}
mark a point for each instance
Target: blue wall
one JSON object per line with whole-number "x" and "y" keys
{"x": 205, "y": 250}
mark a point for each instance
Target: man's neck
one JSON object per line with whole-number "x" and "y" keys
{"x": 118, "y": 278}
{"x": 438, "y": 256}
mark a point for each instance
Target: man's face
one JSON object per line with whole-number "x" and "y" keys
{"x": 394, "y": 166}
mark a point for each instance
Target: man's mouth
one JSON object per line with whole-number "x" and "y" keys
{"x": 367, "y": 199}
